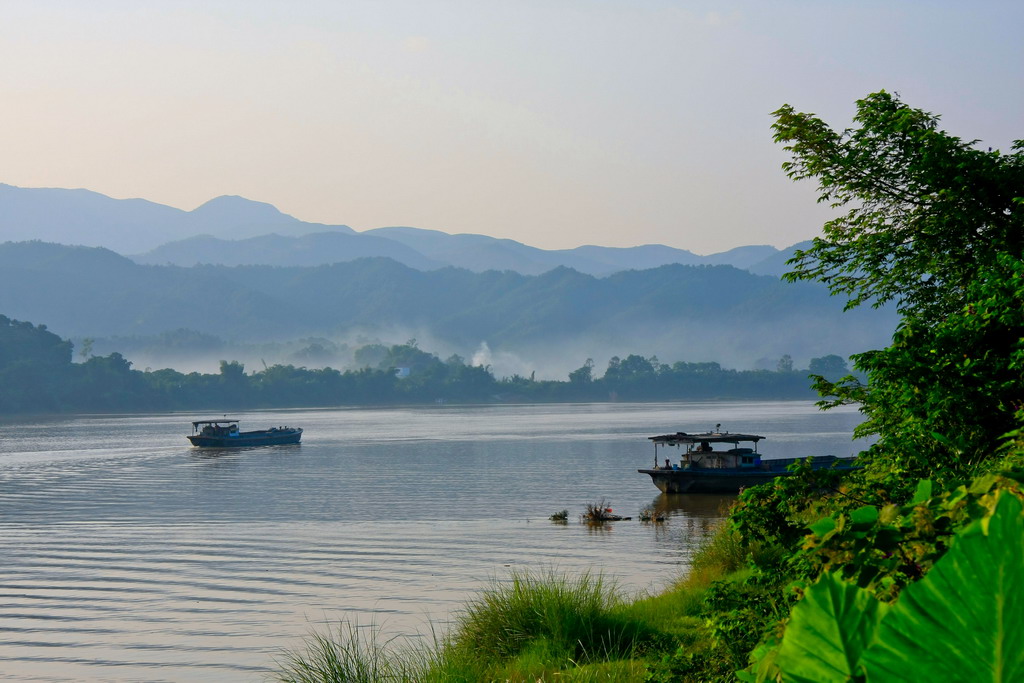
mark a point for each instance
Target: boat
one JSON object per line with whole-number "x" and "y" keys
{"x": 721, "y": 462}
{"x": 225, "y": 433}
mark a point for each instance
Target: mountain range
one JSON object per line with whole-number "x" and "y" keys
{"x": 236, "y": 231}
{"x": 234, "y": 272}
{"x": 554, "y": 320}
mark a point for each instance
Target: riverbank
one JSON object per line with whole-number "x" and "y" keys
{"x": 546, "y": 626}
{"x": 795, "y": 585}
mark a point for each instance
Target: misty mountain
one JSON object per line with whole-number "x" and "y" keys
{"x": 238, "y": 211}
{"x": 613, "y": 259}
{"x": 279, "y": 250}
{"x": 432, "y": 249}
{"x": 742, "y": 257}
{"x": 479, "y": 253}
{"x": 95, "y": 291}
{"x": 775, "y": 264}
{"x": 416, "y": 248}
{"x": 676, "y": 311}
{"x": 234, "y": 231}
{"x": 130, "y": 226}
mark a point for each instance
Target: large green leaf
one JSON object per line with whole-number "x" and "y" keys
{"x": 828, "y": 631}
{"x": 965, "y": 620}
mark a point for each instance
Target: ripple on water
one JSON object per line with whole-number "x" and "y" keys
{"x": 169, "y": 563}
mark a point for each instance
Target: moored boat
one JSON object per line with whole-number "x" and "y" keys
{"x": 226, "y": 434}
{"x": 716, "y": 462}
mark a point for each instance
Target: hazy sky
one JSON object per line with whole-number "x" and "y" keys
{"x": 555, "y": 123}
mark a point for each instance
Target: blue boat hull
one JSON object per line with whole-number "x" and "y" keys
{"x": 731, "y": 480}
{"x": 267, "y": 437}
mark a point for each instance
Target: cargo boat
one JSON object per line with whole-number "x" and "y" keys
{"x": 226, "y": 434}
{"x": 703, "y": 468}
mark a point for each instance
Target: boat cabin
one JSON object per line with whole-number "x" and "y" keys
{"x": 710, "y": 450}
{"x": 215, "y": 427}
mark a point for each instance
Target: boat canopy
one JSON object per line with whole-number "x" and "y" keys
{"x": 707, "y": 437}
{"x": 196, "y": 423}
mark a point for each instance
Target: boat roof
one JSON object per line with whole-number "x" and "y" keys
{"x": 196, "y": 423}
{"x": 709, "y": 437}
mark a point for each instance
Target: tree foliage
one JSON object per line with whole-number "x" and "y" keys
{"x": 937, "y": 225}
{"x": 925, "y": 211}
{"x": 934, "y": 225}
{"x": 829, "y": 366}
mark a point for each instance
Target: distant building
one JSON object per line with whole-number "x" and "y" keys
{"x": 401, "y": 372}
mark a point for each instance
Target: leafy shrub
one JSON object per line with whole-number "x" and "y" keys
{"x": 964, "y": 621}
{"x": 777, "y": 512}
{"x": 884, "y": 549}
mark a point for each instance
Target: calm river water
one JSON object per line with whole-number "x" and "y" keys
{"x": 126, "y": 554}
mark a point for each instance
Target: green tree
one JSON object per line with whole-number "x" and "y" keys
{"x": 370, "y": 355}
{"x": 925, "y": 211}
{"x": 109, "y": 383}
{"x": 584, "y": 374}
{"x": 232, "y": 372}
{"x": 785, "y": 363}
{"x": 829, "y": 366}
{"x": 944, "y": 394}
{"x": 234, "y": 384}
{"x": 936, "y": 225}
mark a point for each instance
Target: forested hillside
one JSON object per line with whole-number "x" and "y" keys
{"x": 696, "y": 313}
{"x": 37, "y": 375}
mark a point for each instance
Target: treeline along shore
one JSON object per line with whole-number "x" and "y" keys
{"x": 38, "y": 375}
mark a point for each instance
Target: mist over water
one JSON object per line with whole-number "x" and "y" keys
{"x": 128, "y": 555}
{"x": 669, "y": 344}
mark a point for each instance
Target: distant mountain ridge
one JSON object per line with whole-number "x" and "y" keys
{"x": 232, "y": 230}
{"x": 679, "y": 312}
{"x": 314, "y": 249}
{"x": 128, "y": 226}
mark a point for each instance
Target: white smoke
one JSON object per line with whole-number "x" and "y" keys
{"x": 482, "y": 356}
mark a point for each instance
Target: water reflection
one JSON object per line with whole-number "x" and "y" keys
{"x": 210, "y": 454}
{"x": 702, "y": 505}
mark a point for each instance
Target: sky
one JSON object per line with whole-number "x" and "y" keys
{"x": 556, "y": 123}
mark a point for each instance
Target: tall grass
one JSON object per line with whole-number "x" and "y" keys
{"x": 719, "y": 554}
{"x": 542, "y": 616}
{"x": 350, "y": 654}
{"x": 533, "y": 626}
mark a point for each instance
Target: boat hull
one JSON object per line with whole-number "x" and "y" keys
{"x": 247, "y": 439}
{"x": 732, "y": 480}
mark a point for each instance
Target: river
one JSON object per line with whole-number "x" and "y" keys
{"x": 126, "y": 554}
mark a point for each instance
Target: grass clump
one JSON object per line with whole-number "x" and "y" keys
{"x": 547, "y": 617}
{"x": 721, "y": 553}
{"x": 350, "y": 654}
{"x": 545, "y": 626}
{"x": 599, "y": 512}
{"x": 533, "y": 626}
